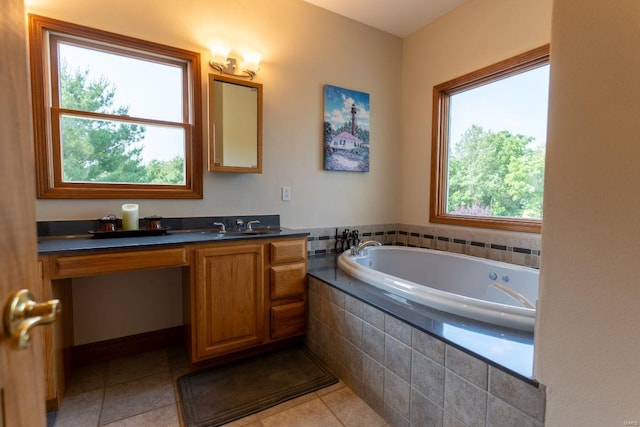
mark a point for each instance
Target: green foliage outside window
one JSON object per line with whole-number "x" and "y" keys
{"x": 496, "y": 174}
{"x": 99, "y": 150}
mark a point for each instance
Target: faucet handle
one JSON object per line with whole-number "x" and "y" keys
{"x": 250, "y": 223}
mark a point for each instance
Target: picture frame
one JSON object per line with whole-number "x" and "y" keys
{"x": 346, "y": 129}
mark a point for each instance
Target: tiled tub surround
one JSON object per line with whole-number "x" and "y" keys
{"x": 411, "y": 377}
{"x": 520, "y": 250}
{"x": 505, "y": 348}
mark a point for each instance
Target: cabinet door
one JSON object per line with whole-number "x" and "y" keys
{"x": 230, "y": 299}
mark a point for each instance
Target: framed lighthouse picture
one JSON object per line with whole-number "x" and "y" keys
{"x": 346, "y": 130}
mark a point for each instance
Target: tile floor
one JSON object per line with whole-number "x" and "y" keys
{"x": 141, "y": 391}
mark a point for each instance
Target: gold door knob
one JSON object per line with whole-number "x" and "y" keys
{"x": 22, "y": 313}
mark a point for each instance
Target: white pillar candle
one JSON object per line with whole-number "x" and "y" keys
{"x": 129, "y": 216}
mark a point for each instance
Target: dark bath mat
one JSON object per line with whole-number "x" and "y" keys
{"x": 226, "y": 393}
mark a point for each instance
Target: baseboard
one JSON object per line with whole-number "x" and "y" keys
{"x": 103, "y": 351}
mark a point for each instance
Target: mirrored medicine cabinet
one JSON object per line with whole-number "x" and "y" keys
{"x": 235, "y": 125}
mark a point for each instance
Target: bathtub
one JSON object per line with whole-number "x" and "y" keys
{"x": 490, "y": 291}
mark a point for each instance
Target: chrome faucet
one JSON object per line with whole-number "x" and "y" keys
{"x": 358, "y": 250}
{"x": 250, "y": 223}
{"x": 221, "y": 227}
{"x": 239, "y": 224}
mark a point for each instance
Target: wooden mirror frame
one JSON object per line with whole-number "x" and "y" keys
{"x": 213, "y": 165}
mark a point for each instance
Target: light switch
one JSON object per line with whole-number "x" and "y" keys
{"x": 286, "y": 194}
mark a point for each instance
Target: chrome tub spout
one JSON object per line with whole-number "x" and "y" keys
{"x": 358, "y": 250}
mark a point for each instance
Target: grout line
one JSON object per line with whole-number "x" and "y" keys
{"x": 329, "y": 408}
{"x": 104, "y": 394}
{"x": 260, "y": 415}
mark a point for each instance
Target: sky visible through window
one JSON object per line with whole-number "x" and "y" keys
{"x": 517, "y": 104}
{"x": 150, "y": 90}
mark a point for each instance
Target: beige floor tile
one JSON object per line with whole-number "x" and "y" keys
{"x": 251, "y": 420}
{"x": 87, "y": 378}
{"x": 180, "y": 416}
{"x": 166, "y": 416}
{"x": 141, "y": 391}
{"x": 286, "y": 405}
{"x": 80, "y": 410}
{"x": 138, "y": 366}
{"x": 135, "y": 397}
{"x": 351, "y": 410}
{"x": 331, "y": 388}
{"x": 177, "y": 356}
{"x": 313, "y": 413}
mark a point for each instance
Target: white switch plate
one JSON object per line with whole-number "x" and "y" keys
{"x": 286, "y": 194}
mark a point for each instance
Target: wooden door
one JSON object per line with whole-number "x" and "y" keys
{"x": 230, "y": 299}
{"x": 21, "y": 371}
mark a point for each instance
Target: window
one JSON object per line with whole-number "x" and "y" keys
{"x": 114, "y": 117}
{"x": 488, "y": 145}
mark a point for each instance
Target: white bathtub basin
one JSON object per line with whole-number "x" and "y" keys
{"x": 477, "y": 288}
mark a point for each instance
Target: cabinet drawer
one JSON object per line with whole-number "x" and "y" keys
{"x": 288, "y": 280}
{"x": 288, "y": 320}
{"x": 88, "y": 265}
{"x": 288, "y": 251}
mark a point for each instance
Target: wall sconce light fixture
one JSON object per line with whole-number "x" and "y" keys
{"x": 223, "y": 63}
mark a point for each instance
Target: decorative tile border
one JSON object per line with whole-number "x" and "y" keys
{"x": 520, "y": 250}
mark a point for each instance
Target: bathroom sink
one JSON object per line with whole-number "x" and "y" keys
{"x": 260, "y": 231}
{"x": 253, "y": 232}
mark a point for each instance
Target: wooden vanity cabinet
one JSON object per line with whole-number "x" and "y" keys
{"x": 229, "y": 299}
{"x": 237, "y": 295}
{"x": 244, "y": 295}
{"x": 288, "y": 288}
{"x": 91, "y": 264}
{"x": 54, "y": 339}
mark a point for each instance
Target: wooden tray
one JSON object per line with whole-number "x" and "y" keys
{"x": 128, "y": 233}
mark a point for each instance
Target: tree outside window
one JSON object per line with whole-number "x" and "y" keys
{"x": 114, "y": 116}
{"x": 489, "y": 145}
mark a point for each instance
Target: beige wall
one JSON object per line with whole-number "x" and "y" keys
{"x": 476, "y": 34}
{"x": 122, "y": 304}
{"x": 303, "y": 48}
{"x": 588, "y": 337}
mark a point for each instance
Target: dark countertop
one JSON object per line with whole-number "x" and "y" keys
{"x": 55, "y": 237}
{"x": 82, "y": 243}
{"x": 507, "y": 349}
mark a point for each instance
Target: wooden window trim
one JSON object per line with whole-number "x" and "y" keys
{"x": 439, "y": 144}
{"x": 49, "y": 184}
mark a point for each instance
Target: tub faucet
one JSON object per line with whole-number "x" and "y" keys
{"x": 250, "y": 224}
{"x": 358, "y": 250}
